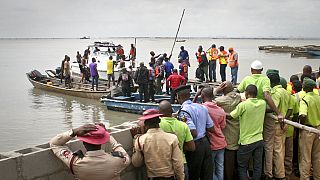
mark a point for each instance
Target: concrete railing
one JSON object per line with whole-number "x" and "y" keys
{"x": 39, "y": 162}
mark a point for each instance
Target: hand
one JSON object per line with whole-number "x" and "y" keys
{"x": 135, "y": 130}
{"x": 281, "y": 120}
{"x": 82, "y": 130}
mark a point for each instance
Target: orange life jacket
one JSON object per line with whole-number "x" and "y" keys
{"x": 232, "y": 61}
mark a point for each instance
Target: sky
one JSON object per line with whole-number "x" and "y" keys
{"x": 159, "y": 18}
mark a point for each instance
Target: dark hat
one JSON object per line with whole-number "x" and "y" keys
{"x": 283, "y": 82}
{"x": 307, "y": 82}
{"x": 183, "y": 88}
{"x": 272, "y": 71}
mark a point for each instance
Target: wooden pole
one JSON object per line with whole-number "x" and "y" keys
{"x": 175, "y": 39}
{"x": 300, "y": 126}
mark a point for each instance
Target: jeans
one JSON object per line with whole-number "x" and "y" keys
{"x": 95, "y": 81}
{"x": 212, "y": 70}
{"x": 223, "y": 72}
{"x": 245, "y": 152}
{"x": 218, "y": 164}
{"x": 234, "y": 75}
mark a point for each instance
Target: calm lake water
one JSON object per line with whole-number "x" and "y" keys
{"x": 29, "y": 116}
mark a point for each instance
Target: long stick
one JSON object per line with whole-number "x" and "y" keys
{"x": 300, "y": 126}
{"x": 174, "y": 43}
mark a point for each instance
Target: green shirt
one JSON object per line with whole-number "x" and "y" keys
{"x": 261, "y": 81}
{"x": 281, "y": 99}
{"x": 295, "y": 110}
{"x": 179, "y": 128}
{"x": 251, "y": 115}
{"x": 310, "y": 106}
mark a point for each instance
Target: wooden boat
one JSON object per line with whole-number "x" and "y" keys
{"x": 53, "y": 84}
{"x": 124, "y": 104}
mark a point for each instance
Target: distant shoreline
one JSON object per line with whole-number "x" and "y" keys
{"x": 95, "y": 38}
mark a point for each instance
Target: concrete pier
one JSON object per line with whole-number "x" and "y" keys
{"x": 39, "y": 162}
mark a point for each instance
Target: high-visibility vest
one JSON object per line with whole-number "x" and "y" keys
{"x": 213, "y": 54}
{"x": 232, "y": 61}
{"x": 223, "y": 60}
{"x": 290, "y": 88}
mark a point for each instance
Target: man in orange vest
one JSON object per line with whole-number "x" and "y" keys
{"x": 212, "y": 56}
{"x": 223, "y": 61}
{"x": 234, "y": 65}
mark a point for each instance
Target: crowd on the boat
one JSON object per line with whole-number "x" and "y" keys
{"x": 159, "y": 71}
{"x": 227, "y": 136}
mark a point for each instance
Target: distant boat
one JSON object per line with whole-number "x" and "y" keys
{"x": 314, "y": 53}
{"x": 180, "y": 40}
{"x": 85, "y": 37}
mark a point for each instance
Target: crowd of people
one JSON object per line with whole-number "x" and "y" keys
{"x": 220, "y": 137}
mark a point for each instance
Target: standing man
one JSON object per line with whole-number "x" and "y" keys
{"x": 203, "y": 62}
{"x": 86, "y": 54}
{"x": 174, "y": 81}
{"x": 95, "y": 164}
{"x": 172, "y": 125}
{"x": 217, "y": 139}
{"x": 223, "y": 61}
{"x": 151, "y": 83}
{"x": 282, "y": 98}
{"x": 199, "y": 122}
{"x": 141, "y": 77}
{"x": 62, "y": 67}
{"x": 309, "y": 143}
{"x": 126, "y": 82}
{"x": 158, "y": 150}
{"x": 110, "y": 71}
{"x": 159, "y": 74}
{"x": 132, "y": 55}
{"x": 183, "y": 56}
{"x": 94, "y": 73}
{"x": 229, "y": 102}
{"x": 251, "y": 116}
{"x": 213, "y": 56}
{"x": 119, "y": 52}
{"x": 234, "y": 65}
{"x": 168, "y": 68}
{"x": 153, "y": 58}
{"x": 67, "y": 73}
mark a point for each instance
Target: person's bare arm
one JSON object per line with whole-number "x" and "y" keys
{"x": 271, "y": 104}
{"x": 189, "y": 146}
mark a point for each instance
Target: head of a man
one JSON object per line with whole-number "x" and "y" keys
{"x": 182, "y": 48}
{"x": 213, "y": 46}
{"x": 221, "y": 48}
{"x": 183, "y": 93}
{"x": 93, "y": 60}
{"x": 308, "y": 84}
{"x": 251, "y": 91}
{"x": 200, "y": 49}
{"x": 110, "y": 57}
{"x": 274, "y": 77}
{"x": 165, "y": 108}
{"x": 256, "y": 67}
{"x": 150, "y": 118}
{"x": 141, "y": 64}
{"x": 230, "y": 49}
{"x": 152, "y": 53}
{"x": 307, "y": 69}
{"x": 93, "y": 140}
{"x": 294, "y": 78}
{"x": 175, "y": 71}
{"x": 207, "y": 94}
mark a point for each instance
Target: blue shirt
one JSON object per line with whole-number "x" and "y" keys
{"x": 168, "y": 67}
{"x": 183, "y": 55}
{"x": 197, "y": 117}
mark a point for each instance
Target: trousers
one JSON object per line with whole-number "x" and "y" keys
{"x": 230, "y": 165}
{"x": 223, "y": 72}
{"x": 288, "y": 156}
{"x": 212, "y": 70}
{"x": 278, "y": 152}
{"x": 268, "y": 138}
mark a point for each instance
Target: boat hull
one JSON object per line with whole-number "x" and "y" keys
{"x": 71, "y": 92}
{"x": 133, "y": 107}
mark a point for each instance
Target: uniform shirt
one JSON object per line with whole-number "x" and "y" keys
{"x": 168, "y": 67}
{"x": 95, "y": 165}
{"x": 179, "y": 128}
{"x": 93, "y": 69}
{"x": 197, "y": 117}
{"x": 160, "y": 152}
{"x": 295, "y": 110}
{"x": 176, "y": 80}
{"x": 110, "y": 66}
{"x": 251, "y": 115}
{"x": 222, "y": 59}
{"x": 310, "y": 106}
{"x": 281, "y": 99}
{"x": 231, "y": 132}
{"x": 218, "y": 116}
{"x": 262, "y": 82}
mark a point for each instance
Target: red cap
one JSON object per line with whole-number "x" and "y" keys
{"x": 149, "y": 114}
{"x": 97, "y": 137}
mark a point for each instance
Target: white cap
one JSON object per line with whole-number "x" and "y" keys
{"x": 256, "y": 65}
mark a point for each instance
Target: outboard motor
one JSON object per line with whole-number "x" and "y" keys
{"x": 36, "y": 75}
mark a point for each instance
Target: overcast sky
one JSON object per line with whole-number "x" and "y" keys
{"x": 136, "y": 18}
